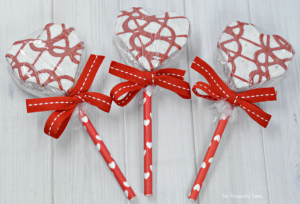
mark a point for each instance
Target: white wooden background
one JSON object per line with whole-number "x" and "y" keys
{"x": 35, "y": 168}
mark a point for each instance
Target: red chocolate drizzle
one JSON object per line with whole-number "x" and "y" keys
{"x": 152, "y": 36}
{"x": 283, "y": 44}
{"x": 68, "y": 51}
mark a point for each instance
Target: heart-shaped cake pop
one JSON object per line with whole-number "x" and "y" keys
{"x": 151, "y": 39}
{"x": 252, "y": 58}
{"x": 49, "y": 60}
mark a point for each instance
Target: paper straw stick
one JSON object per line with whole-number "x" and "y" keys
{"x": 208, "y": 158}
{"x": 147, "y": 142}
{"x": 106, "y": 155}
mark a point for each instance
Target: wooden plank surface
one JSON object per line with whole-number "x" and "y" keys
{"x": 26, "y": 154}
{"x": 250, "y": 160}
{"x": 281, "y": 139}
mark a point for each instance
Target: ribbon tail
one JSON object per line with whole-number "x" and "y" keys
{"x": 256, "y": 113}
{"x": 180, "y": 87}
{"x": 127, "y": 72}
{"x": 259, "y": 95}
{"x": 57, "y": 123}
{"x": 49, "y": 104}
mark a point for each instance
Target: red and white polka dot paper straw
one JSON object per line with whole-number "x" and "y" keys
{"x": 208, "y": 158}
{"x": 106, "y": 155}
{"x": 147, "y": 142}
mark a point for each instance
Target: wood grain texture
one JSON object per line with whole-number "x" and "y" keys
{"x": 26, "y": 154}
{"x": 250, "y": 160}
{"x": 281, "y": 139}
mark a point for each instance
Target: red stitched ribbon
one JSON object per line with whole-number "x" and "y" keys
{"x": 168, "y": 78}
{"x": 65, "y": 105}
{"x": 217, "y": 90}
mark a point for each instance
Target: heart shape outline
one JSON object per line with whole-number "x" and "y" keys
{"x": 151, "y": 39}
{"x": 217, "y": 138}
{"x": 125, "y": 183}
{"x": 146, "y": 122}
{"x": 255, "y": 49}
{"x": 197, "y": 187}
{"x": 52, "y": 40}
{"x": 112, "y": 165}
{"x": 149, "y": 145}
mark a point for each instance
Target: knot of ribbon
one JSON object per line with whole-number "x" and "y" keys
{"x": 64, "y": 106}
{"x": 168, "y": 78}
{"x": 217, "y": 90}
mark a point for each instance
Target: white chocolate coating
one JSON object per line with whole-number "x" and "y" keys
{"x": 49, "y": 60}
{"x": 253, "y": 58}
{"x": 151, "y": 39}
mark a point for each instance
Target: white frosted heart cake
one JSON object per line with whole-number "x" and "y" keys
{"x": 47, "y": 63}
{"x": 251, "y": 58}
{"x": 150, "y": 40}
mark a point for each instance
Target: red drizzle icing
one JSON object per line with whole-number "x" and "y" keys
{"x": 283, "y": 44}
{"x": 153, "y": 36}
{"x": 68, "y": 51}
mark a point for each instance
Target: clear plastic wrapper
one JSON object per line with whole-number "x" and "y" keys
{"x": 150, "y": 39}
{"x": 223, "y": 109}
{"x": 48, "y": 64}
{"x": 249, "y": 57}
{"x": 48, "y": 61}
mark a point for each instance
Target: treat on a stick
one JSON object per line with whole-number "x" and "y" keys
{"x": 248, "y": 61}
{"x": 148, "y": 42}
{"x": 48, "y": 65}
{"x": 64, "y": 107}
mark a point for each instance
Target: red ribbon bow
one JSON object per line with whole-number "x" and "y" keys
{"x": 217, "y": 90}
{"x": 168, "y": 78}
{"x": 65, "y": 105}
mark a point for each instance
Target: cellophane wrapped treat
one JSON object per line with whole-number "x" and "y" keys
{"x": 149, "y": 40}
{"x": 249, "y": 60}
{"x": 47, "y": 62}
{"x": 248, "y": 57}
